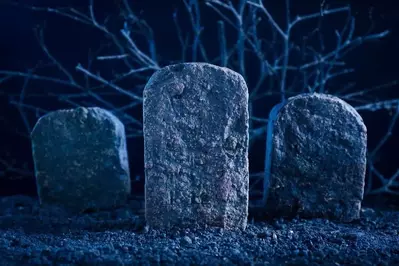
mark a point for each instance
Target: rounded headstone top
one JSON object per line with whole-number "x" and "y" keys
{"x": 78, "y": 115}
{"x": 340, "y": 105}
{"x": 193, "y": 69}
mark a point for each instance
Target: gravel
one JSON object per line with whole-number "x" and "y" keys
{"x": 47, "y": 235}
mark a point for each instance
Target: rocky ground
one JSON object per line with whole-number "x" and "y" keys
{"x": 33, "y": 235}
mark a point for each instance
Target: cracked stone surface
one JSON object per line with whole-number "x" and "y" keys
{"x": 196, "y": 147}
{"x": 318, "y": 159}
{"x": 81, "y": 159}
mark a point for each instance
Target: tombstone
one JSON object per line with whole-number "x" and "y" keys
{"x": 196, "y": 147}
{"x": 81, "y": 159}
{"x": 318, "y": 161}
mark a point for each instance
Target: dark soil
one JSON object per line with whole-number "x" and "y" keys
{"x": 34, "y": 235}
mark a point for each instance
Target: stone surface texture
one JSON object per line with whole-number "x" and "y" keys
{"x": 81, "y": 160}
{"x": 318, "y": 159}
{"x": 196, "y": 147}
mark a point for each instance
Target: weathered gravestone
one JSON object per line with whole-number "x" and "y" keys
{"x": 318, "y": 159}
{"x": 196, "y": 147}
{"x": 81, "y": 159}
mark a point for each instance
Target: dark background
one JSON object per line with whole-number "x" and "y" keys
{"x": 375, "y": 63}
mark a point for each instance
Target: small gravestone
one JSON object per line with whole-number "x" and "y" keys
{"x": 196, "y": 147}
{"x": 81, "y": 159}
{"x": 318, "y": 159}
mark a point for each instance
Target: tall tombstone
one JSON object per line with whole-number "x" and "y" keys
{"x": 81, "y": 159}
{"x": 318, "y": 161}
{"x": 196, "y": 147}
